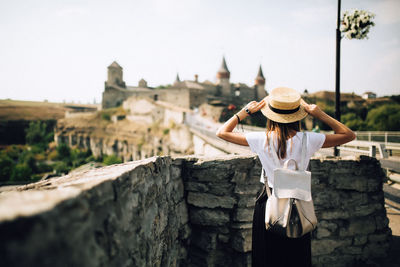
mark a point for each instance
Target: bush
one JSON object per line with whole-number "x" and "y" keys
{"x": 112, "y": 159}
{"x": 384, "y": 118}
{"x": 63, "y": 151}
{"x": 53, "y": 155}
{"x": 60, "y": 167}
{"x": 37, "y": 134}
{"x": 106, "y": 116}
{"x": 354, "y": 122}
{"x": 43, "y": 167}
{"x": 6, "y": 167}
{"x": 21, "y": 172}
{"x": 78, "y": 157}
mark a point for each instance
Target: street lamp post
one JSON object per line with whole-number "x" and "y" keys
{"x": 337, "y": 87}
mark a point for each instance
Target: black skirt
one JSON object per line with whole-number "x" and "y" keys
{"x": 269, "y": 249}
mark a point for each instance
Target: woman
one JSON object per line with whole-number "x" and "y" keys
{"x": 284, "y": 110}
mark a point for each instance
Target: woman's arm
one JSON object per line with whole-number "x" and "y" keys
{"x": 225, "y": 131}
{"x": 342, "y": 133}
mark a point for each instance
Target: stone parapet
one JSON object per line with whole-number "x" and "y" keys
{"x": 185, "y": 211}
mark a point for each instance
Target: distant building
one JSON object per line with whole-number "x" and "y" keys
{"x": 369, "y": 95}
{"x": 186, "y": 94}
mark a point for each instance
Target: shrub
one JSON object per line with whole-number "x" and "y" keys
{"x": 6, "y": 167}
{"x": 106, "y": 116}
{"x": 37, "y": 134}
{"x": 21, "y": 172}
{"x": 43, "y": 167}
{"x": 112, "y": 159}
{"x": 384, "y": 118}
{"x": 60, "y": 167}
{"x": 63, "y": 151}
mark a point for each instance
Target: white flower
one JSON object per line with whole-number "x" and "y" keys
{"x": 356, "y": 23}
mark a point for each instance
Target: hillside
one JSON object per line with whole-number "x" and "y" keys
{"x": 16, "y": 110}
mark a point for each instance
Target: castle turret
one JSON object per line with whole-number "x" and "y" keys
{"x": 115, "y": 75}
{"x": 142, "y": 83}
{"x": 177, "y": 80}
{"x": 259, "y": 85}
{"x": 223, "y": 76}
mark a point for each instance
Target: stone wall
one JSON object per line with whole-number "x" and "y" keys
{"x": 186, "y": 211}
{"x": 132, "y": 214}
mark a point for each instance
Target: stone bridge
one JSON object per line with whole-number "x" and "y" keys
{"x": 185, "y": 211}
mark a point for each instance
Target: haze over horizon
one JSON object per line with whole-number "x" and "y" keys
{"x": 60, "y": 50}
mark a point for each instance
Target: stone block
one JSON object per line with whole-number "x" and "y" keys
{"x": 220, "y": 189}
{"x": 175, "y": 172}
{"x": 381, "y": 222}
{"x": 196, "y": 187}
{"x": 243, "y": 215}
{"x": 243, "y": 189}
{"x": 242, "y": 225}
{"x": 360, "y": 226}
{"x": 359, "y": 240}
{"x": 246, "y": 201}
{"x": 204, "y": 240}
{"x": 364, "y": 210}
{"x": 216, "y": 174}
{"x": 327, "y": 246}
{"x": 245, "y": 178}
{"x": 348, "y": 182}
{"x": 242, "y": 241}
{"x": 352, "y": 250}
{"x": 374, "y": 184}
{"x": 327, "y": 198}
{"x": 204, "y": 200}
{"x": 208, "y": 217}
{"x": 332, "y": 214}
{"x": 223, "y": 238}
{"x": 376, "y": 250}
{"x": 376, "y": 238}
{"x": 322, "y": 232}
{"x": 330, "y": 225}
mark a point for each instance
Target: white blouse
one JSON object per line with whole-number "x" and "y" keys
{"x": 256, "y": 141}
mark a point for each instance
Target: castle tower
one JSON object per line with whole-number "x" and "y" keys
{"x": 259, "y": 85}
{"x": 223, "y": 76}
{"x": 142, "y": 83}
{"x": 115, "y": 75}
{"x": 177, "y": 80}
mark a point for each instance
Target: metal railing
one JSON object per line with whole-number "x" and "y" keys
{"x": 379, "y": 136}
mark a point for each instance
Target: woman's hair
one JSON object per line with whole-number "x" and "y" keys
{"x": 282, "y": 132}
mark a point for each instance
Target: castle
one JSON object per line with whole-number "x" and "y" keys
{"x": 186, "y": 94}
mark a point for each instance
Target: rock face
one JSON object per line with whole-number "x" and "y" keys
{"x": 185, "y": 211}
{"x": 125, "y": 139}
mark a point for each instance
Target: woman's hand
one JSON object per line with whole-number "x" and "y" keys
{"x": 255, "y": 106}
{"x": 312, "y": 109}
{"x": 225, "y": 131}
{"x": 342, "y": 133}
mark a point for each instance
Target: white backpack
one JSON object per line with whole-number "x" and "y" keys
{"x": 289, "y": 209}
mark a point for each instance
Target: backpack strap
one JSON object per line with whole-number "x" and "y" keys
{"x": 303, "y": 151}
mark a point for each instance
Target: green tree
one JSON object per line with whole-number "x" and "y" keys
{"x": 354, "y": 122}
{"x": 384, "y": 118}
{"x": 37, "y": 134}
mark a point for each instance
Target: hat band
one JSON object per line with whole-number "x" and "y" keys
{"x": 283, "y": 111}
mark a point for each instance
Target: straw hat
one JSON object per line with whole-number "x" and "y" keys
{"x": 284, "y": 105}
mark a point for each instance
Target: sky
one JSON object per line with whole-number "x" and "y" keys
{"x": 59, "y": 50}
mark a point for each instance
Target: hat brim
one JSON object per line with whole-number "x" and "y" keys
{"x": 283, "y": 118}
